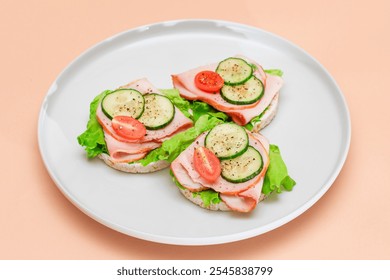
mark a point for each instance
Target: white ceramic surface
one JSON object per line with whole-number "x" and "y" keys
{"x": 312, "y": 129}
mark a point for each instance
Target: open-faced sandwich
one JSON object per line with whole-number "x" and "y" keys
{"x": 128, "y": 123}
{"x": 229, "y": 168}
{"x": 237, "y": 86}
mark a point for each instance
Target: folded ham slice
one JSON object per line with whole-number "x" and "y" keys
{"x": 242, "y": 197}
{"x": 241, "y": 114}
{"x": 125, "y": 150}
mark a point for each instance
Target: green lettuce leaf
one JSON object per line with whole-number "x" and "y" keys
{"x": 208, "y": 197}
{"x": 200, "y": 108}
{"x": 92, "y": 139}
{"x": 277, "y": 179}
{"x": 275, "y": 72}
{"x": 171, "y": 148}
{"x": 192, "y": 109}
{"x": 182, "y": 104}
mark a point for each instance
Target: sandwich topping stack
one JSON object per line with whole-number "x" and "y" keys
{"x": 244, "y": 92}
{"x": 228, "y": 160}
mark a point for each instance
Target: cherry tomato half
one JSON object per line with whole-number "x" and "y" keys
{"x": 207, "y": 164}
{"x": 128, "y": 127}
{"x": 208, "y": 81}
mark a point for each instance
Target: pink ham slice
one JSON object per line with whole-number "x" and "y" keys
{"x": 185, "y": 180}
{"x": 180, "y": 122}
{"x": 127, "y": 152}
{"x": 242, "y": 197}
{"x": 241, "y": 114}
{"x": 123, "y": 157}
{"x": 240, "y": 203}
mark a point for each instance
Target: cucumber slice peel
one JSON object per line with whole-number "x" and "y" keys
{"x": 123, "y": 102}
{"x": 247, "y": 93}
{"x": 227, "y": 140}
{"x": 242, "y": 168}
{"x": 158, "y": 113}
{"x": 234, "y": 71}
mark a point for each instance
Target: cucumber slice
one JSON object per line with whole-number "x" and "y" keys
{"x": 242, "y": 168}
{"x": 247, "y": 93}
{"x": 123, "y": 102}
{"x": 227, "y": 140}
{"x": 234, "y": 71}
{"x": 159, "y": 111}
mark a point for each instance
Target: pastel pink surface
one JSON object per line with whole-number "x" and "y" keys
{"x": 40, "y": 39}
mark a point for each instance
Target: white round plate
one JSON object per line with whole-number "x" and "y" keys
{"x": 312, "y": 129}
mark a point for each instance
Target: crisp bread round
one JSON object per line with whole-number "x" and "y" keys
{"x": 134, "y": 167}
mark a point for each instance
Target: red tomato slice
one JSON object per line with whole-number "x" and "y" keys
{"x": 128, "y": 127}
{"x": 208, "y": 81}
{"x": 207, "y": 164}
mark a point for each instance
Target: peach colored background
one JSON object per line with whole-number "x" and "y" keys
{"x": 351, "y": 39}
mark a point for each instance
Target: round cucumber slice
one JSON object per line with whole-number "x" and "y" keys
{"x": 123, "y": 102}
{"x": 234, "y": 71}
{"x": 227, "y": 140}
{"x": 242, "y": 168}
{"x": 247, "y": 93}
{"x": 159, "y": 111}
